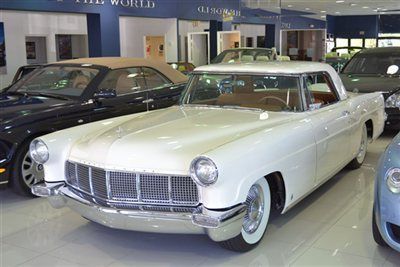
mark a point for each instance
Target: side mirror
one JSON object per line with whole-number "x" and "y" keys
{"x": 315, "y": 106}
{"x": 392, "y": 69}
{"x": 105, "y": 94}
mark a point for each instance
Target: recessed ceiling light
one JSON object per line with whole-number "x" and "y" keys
{"x": 339, "y": 1}
{"x": 365, "y": 7}
{"x": 353, "y": 4}
{"x": 307, "y": 8}
{"x": 323, "y": 11}
{"x": 323, "y": 17}
{"x": 337, "y": 12}
{"x": 289, "y": 5}
{"x": 384, "y": 9}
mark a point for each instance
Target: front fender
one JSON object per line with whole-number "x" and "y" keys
{"x": 244, "y": 161}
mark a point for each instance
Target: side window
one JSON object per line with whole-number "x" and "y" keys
{"x": 321, "y": 90}
{"x": 154, "y": 79}
{"x": 124, "y": 81}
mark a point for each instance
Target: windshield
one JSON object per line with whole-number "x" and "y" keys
{"x": 377, "y": 64}
{"x": 244, "y": 55}
{"x": 266, "y": 92}
{"x": 57, "y": 80}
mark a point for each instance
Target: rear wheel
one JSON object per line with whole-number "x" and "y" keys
{"x": 362, "y": 151}
{"x": 376, "y": 233}
{"x": 26, "y": 172}
{"x": 255, "y": 221}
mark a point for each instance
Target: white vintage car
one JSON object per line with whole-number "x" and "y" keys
{"x": 246, "y": 139}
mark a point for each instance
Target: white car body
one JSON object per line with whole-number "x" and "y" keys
{"x": 304, "y": 148}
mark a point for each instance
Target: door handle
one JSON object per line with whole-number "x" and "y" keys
{"x": 148, "y": 100}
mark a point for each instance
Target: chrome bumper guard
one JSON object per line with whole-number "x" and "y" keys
{"x": 218, "y": 225}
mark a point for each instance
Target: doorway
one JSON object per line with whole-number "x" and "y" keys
{"x": 36, "y": 50}
{"x": 154, "y": 47}
{"x": 199, "y": 48}
{"x": 228, "y": 40}
{"x": 70, "y": 46}
{"x": 306, "y": 45}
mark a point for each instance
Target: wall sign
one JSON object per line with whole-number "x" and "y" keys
{"x": 218, "y": 11}
{"x": 123, "y": 3}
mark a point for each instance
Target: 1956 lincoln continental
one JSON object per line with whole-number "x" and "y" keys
{"x": 246, "y": 139}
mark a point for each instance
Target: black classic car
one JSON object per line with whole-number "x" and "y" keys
{"x": 377, "y": 70}
{"x": 71, "y": 93}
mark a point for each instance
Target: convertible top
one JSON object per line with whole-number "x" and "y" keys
{"x": 121, "y": 62}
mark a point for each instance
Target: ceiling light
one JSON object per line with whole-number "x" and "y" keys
{"x": 339, "y": 1}
{"x": 323, "y": 11}
{"x": 365, "y": 7}
{"x": 323, "y": 17}
{"x": 307, "y": 8}
{"x": 289, "y": 5}
{"x": 353, "y": 4}
{"x": 337, "y": 12}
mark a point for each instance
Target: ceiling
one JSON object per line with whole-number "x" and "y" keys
{"x": 321, "y": 8}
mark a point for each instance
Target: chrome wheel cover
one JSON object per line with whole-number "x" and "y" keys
{"x": 31, "y": 172}
{"x": 255, "y": 209}
{"x": 363, "y": 147}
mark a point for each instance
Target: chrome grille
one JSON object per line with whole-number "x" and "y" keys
{"x": 126, "y": 189}
{"x": 123, "y": 186}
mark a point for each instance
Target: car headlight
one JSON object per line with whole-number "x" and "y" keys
{"x": 203, "y": 171}
{"x": 393, "y": 101}
{"x": 393, "y": 180}
{"x": 39, "y": 151}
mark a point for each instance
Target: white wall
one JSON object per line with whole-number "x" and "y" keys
{"x": 133, "y": 30}
{"x": 19, "y": 24}
{"x": 186, "y": 26}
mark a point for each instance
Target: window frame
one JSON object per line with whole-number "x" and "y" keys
{"x": 307, "y": 91}
{"x": 186, "y": 94}
{"x": 144, "y": 78}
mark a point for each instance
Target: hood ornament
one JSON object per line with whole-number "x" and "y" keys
{"x": 119, "y": 132}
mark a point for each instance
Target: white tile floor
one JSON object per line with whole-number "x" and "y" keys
{"x": 330, "y": 227}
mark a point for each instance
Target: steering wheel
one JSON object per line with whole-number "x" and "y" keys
{"x": 275, "y": 98}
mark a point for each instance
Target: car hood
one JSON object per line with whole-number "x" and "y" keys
{"x": 16, "y": 109}
{"x": 368, "y": 84}
{"x": 166, "y": 141}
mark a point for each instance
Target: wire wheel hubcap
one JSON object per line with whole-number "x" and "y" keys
{"x": 255, "y": 209}
{"x": 363, "y": 147}
{"x": 31, "y": 171}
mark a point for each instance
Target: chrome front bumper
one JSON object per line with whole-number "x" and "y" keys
{"x": 218, "y": 225}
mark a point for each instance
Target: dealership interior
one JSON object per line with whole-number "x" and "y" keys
{"x": 131, "y": 133}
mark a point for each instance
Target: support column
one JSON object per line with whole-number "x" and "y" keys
{"x": 215, "y": 26}
{"x": 270, "y": 35}
{"x": 103, "y": 35}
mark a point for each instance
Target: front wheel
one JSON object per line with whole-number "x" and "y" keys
{"x": 26, "y": 172}
{"x": 255, "y": 222}
{"x": 362, "y": 151}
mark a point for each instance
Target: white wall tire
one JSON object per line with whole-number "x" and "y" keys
{"x": 362, "y": 150}
{"x": 256, "y": 219}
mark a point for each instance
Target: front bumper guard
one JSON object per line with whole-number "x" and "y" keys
{"x": 219, "y": 225}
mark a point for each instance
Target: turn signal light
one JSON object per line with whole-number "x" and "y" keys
{"x": 2, "y": 170}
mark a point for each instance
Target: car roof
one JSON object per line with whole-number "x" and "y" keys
{"x": 123, "y": 62}
{"x": 286, "y": 67}
{"x": 383, "y": 50}
{"x": 276, "y": 67}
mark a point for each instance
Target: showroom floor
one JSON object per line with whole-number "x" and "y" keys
{"x": 330, "y": 227}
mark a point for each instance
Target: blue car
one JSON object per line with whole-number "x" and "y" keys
{"x": 386, "y": 215}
